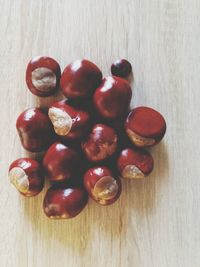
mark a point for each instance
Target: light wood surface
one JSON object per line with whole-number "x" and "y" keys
{"x": 156, "y": 222}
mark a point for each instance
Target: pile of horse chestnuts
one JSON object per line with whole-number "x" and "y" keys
{"x": 90, "y": 139}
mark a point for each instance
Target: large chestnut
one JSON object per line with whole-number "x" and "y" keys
{"x": 100, "y": 144}
{"x": 134, "y": 163}
{"x": 121, "y": 68}
{"x": 145, "y": 126}
{"x": 43, "y": 76}
{"x": 68, "y": 122}
{"x": 112, "y": 98}
{"x": 101, "y": 185}
{"x": 27, "y": 176}
{"x": 35, "y": 130}
{"x": 80, "y": 79}
{"x": 60, "y": 162}
{"x": 64, "y": 202}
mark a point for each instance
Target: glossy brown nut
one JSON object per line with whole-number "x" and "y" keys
{"x": 121, "y": 68}
{"x": 35, "y": 130}
{"x": 145, "y": 126}
{"x": 101, "y": 185}
{"x": 60, "y": 162}
{"x": 135, "y": 163}
{"x": 100, "y": 144}
{"x": 80, "y": 79}
{"x": 63, "y": 202}
{"x": 27, "y": 176}
{"x": 112, "y": 98}
{"x": 43, "y": 76}
{"x": 68, "y": 122}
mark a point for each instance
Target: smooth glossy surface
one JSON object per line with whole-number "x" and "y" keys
{"x": 35, "y": 130}
{"x": 121, "y": 68}
{"x": 64, "y": 202}
{"x": 60, "y": 162}
{"x": 145, "y": 126}
{"x": 135, "y": 163}
{"x": 101, "y": 143}
{"x": 69, "y": 122}
{"x": 156, "y": 222}
{"x": 112, "y": 98}
{"x": 80, "y": 79}
{"x": 101, "y": 185}
{"x": 27, "y": 176}
{"x": 43, "y": 76}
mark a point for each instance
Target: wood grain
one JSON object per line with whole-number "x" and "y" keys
{"x": 156, "y": 222}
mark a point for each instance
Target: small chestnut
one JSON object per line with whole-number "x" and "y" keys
{"x": 112, "y": 98}
{"x": 80, "y": 79}
{"x": 64, "y": 202}
{"x": 43, "y": 76}
{"x": 101, "y": 185}
{"x": 121, "y": 68}
{"x": 100, "y": 144}
{"x": 145, "y": 126}
{"x": 68, "y": 122}
{"x": 27, "y": 176}
{"x": 35, "y": 130}
{"x": 135, "y": 163}
{"x": 60, "y": 162}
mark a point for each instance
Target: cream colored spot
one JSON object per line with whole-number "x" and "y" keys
{"x": 106, "y": 188}
{"x": 61, "y": 121}
{"x": 59, "y": 217}
{"x": 19, "y": 179}
{"x": 44, "y": 79}
{"x": 132, "y": 172}
{"x": 139, "y": 140}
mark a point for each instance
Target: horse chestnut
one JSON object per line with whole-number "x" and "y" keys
{"x": 112, "y": 98}
{"x": 43, "y": 76}
{"x": 101, "y": 185}
{"x": 80, "y": 79}
{"x": 100, "y": 144}
{"x": 134, "y": 163}
{"x": 68, "y": 122}
{"x": 121, "y": 68}
{"x": 35, "y": 130}
{"x": 60, "y": 162}
{"x": 145, "y": 126}
{"x": 63, "y": 202}
{"x": 27, "y": 176}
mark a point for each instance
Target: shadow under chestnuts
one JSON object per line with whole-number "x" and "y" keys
{"x": 90, "y": 140}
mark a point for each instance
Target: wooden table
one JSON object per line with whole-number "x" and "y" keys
{"x": 156, "y": 222}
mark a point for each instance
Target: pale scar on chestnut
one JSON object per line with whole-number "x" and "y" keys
{"x": 139, "y": 140}
{"x": 19, "y": 179}
{"x": 110, "y": 147}
{"x": 44, "y": 79}
{"x": 132, "y": 172}
{"x": 59, "y": 217}
{"x": 106, "y": 188}
{"x": 61, "y": 121}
